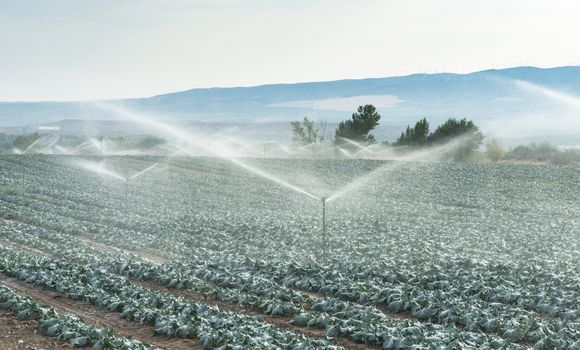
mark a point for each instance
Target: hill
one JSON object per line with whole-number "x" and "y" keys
{"x": 521, "y": 102}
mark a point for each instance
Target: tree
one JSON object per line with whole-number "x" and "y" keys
{"x": 521, "y": 152}
{"x": 468, "y": 136}
{"x": 416, "y": 135}
{"x": 360, "y": 125}
{"x": 494, "y": 151}
{"x": 306, "y": 132}
{"x": 545, "y": 151}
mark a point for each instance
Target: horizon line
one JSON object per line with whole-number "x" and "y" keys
{"x": 282, "y": 83}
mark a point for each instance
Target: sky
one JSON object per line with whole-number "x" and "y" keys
{"x": 86, "y": 50}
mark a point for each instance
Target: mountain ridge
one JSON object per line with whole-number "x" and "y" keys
{"x": 521, "y": 96}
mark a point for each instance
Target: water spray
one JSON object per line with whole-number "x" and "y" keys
{"x": 99, "y": 168}
{"x": 31, "y": 145}
{"x": 101, "y": 146}
{"x": 143, "y": 171}
{"x": 213, "y": 149}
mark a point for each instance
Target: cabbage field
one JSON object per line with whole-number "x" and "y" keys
{"x": 202, "y": 253}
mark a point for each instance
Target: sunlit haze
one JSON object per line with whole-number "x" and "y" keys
{"x": 76, "y": 50}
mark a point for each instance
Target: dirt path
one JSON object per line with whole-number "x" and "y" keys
{"x": 25, "y": 334}
{"x": 98, "y": 316}
{"x": 282, "y": 322}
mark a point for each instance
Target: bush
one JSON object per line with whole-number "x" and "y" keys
{"x": 466, "y": 134}
{"x": 494, "y": 151}
{"x": 544, "y": 152}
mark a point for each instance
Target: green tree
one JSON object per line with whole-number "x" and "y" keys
{"x": 494, "y": 151}
{"x": 416, "y": 135}
{"x": 521, "y": 152}
{"x": 453, "y": 129}
{"x": 360, "y": 125}
{"x": 306, "y": 132}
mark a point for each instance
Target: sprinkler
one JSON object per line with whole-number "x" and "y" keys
{"x": 100, "y": 169}
{"x": 101, "y": 146}
{"x": 323, "y": 200}
{"x": 127, "y": 194}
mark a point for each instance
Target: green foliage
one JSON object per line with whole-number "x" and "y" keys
{"x": 415, "y": 136}
{"x": 63, "y": 326}
{"x": 170, "y": 315}
{"x": 306, "y": 132}
{"x": 360, "y": 125}
{"x": 21, "y": 142}
{"x": 544, "y": 152}
{"x": 466, "y": 137}
{"x": 454, "y": 128}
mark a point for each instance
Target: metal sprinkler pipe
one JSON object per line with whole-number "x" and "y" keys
{"x": 127, "y": 195}
{"x": 323, "y": 200}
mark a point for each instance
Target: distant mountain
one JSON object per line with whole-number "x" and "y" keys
{"x": 522, "y": 102}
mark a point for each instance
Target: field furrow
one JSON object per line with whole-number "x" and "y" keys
{"x": 97, "y": 316}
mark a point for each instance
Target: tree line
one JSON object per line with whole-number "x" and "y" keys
{"x": 358, "y": 128}
{"x": 468, "y": 136}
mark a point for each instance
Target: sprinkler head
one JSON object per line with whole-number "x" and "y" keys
{"x": 323, "y": 199}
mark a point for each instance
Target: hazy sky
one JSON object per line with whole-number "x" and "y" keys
{"x": 75, "y": 49}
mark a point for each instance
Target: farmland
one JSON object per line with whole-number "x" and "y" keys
{"x": 201, "y": 253}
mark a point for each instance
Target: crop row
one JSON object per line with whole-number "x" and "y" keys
{"x": 358, "y": 322}
{"x": 64, "y": 326}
